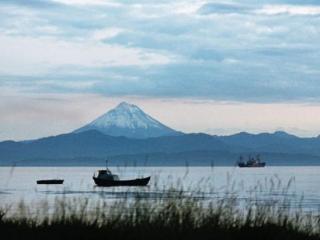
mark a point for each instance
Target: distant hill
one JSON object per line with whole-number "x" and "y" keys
{"x": 278, "y": 142}
{"x": 94, "y": 144}
{"x": 92, "y": 147}
{"x": 130, "y": 121}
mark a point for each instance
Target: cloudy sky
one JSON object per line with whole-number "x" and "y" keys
{"x": 215, "y": 66}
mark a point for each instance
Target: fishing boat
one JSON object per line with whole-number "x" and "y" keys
{"x": 252, "y": 162}
{"x": 105, "y": 178}
{"x": 50, "y": 181}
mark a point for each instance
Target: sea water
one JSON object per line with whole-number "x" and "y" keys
{"x": 299, "y": 185}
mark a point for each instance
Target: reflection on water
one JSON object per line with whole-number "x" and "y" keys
{"x": 297, "y": 185}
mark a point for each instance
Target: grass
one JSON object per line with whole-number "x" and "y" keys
{"x": 174, "y": 215}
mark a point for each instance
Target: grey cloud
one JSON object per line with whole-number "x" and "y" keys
{"x": 243, "y": 57}
{"x": 31, "y": 3}
{"x": 243, "y": 81}
{"x": 210, "y": 8}
{"x": 295, "y": 2}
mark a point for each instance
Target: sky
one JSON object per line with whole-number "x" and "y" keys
{"x": 218, "y": 67}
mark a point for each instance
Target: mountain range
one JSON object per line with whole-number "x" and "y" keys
{"x": 127, "y": 135}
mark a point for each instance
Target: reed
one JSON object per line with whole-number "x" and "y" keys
{"x": 173, "y": 213}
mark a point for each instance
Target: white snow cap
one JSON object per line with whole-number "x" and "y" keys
{"x": 130, "y": 121}
{"x": 126, "y": 115}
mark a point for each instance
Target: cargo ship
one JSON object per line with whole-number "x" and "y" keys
{"x": 251, "y": 162}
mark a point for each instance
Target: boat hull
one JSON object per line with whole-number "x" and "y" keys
{"x": 110, "y": 183}
{"x": 245, "y": 165}
{"x": 50, "y": 181}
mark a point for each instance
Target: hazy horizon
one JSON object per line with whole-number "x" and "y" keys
{"x": 207, "y": 109}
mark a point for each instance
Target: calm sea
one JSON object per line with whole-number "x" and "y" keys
{"x": 300, "y": 185}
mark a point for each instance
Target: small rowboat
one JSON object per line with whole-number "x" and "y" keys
{"x": 50, "y": 181}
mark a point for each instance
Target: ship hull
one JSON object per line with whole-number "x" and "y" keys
{"x": 111, "y": 183}
{"x": 50, "y": 181}
{"x": 245, "y": 165}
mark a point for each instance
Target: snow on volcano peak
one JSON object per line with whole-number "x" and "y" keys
{"x": 130, "y": 121}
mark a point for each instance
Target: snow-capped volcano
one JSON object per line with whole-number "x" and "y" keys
{"x": 130, "y": 121}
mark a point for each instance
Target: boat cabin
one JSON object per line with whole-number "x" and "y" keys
{"x": 106, "y": 174}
